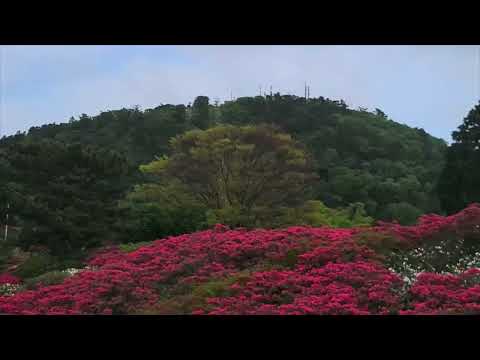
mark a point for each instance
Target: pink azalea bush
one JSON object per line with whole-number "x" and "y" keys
{"x": 439, "y": 294}
{"x": 292, "y": 271}
{"x": 9, "y": 279}
{"x": 355, "y": 288}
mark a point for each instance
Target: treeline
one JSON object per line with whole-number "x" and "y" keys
{"x": 67, "y": 183}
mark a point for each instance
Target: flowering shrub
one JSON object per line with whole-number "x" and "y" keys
{"x": 437, "y": 244}
{"x": 356, "y": 288}
{"x": 8, "y": 289}
{"x": 297, "y": 270}
{"x": 89, "y": 292}
{"x": 446, "y": 294}
{"x": 9, "y": 284}
{"x": 9, "y": 279}
{"x": 49, "y": 278}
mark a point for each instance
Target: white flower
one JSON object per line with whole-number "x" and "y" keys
{"x": 8, "y": 289}
{"x": 72, "y": 271}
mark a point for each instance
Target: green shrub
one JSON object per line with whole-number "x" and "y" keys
{"x": 404, "y": 213}
{"x": 4, "y": 256}
{"x": 312, "y": 213}
{"x": 194, "y": 297}
{"x": 218, "y": 287}
{"x": 69, "y": 264}
{"x": 129, "y": 247}
{"x": 380, "y": 242}
{"x": 154, "y": 211}
{"x": 215, "y": 288}
{"x": 49, "y": 278}
{"x": 233, "y": 216}
{"x": 288, "y": 261}
{"x": 36, "y": 265}
{"x": 315, "y": 213}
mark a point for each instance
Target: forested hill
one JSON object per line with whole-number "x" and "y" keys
{"x": 360, "y": 156}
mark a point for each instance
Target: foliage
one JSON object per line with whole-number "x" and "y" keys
{"x": 319, "y": 270}
{"x": 66, "y": 199}
{"x": 237, "y": 169}
{"x": 201, "y": 113}
{"x": 235, "y": 216}
{"x": 195, "y": 296}
{"x": 155, "y": 210}
{"x": 315, "y": 213}
{"x": 49, "y": 278}
{"x": 458, "y": 183}
{"x": 312, "y": 212}
{"x": 5, "y": 253}
{"x": 403, "y": 213}
{"x": 359, "y": 156}
{"x": 382, "y": 242}
{"x": 37, "y": 264}
{"x": 131, "y": 246}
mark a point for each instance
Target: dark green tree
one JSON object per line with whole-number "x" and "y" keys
{"x": 459, "y": 182}
{"x": 201, "y": 112}
{"x": 64, "y": 196}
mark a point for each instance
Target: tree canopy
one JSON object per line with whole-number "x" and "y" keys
{"x": 458, "y": 184}
{"x": 238, "y": 167}
{"x": 63, "y": 196}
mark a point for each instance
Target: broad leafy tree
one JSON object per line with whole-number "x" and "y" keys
{"x": 238, "y": 167}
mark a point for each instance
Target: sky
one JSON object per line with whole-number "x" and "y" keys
{"x": 430, "y": 87}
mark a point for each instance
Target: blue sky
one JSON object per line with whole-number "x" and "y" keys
{"x": 432, "y": 87}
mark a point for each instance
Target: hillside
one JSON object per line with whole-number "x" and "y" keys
{"x": 359, "y": 156}
{"x": 386, "y": 269}
{"x": 67, "y": 183}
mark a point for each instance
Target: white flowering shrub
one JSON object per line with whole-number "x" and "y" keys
{"x": 50, "y": 278}
{"x": 9, "y": 289}
{"x": 72, "y": 271}
{"x": 448, "y": 256}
